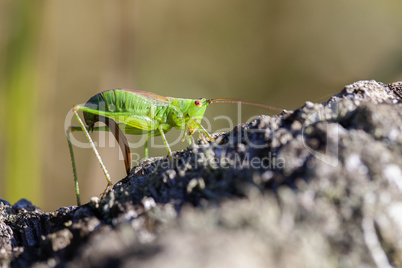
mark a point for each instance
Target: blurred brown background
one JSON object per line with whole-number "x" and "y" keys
{"x": 54, "y": 54}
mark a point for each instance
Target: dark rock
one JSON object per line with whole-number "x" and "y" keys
{"x": 316, "y": 187}
{"x": 4, "y": 202}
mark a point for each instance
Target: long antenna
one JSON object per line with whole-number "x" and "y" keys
{"x": 231, "y": 100}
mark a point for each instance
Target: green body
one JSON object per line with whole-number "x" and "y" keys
{"x": 143, "y": 112}
{"x": 136, "y": 112}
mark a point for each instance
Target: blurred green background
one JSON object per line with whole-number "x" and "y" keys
{"x": 54, "y": 54}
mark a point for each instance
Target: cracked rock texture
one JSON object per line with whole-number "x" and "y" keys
{"x": 320, "y": 186}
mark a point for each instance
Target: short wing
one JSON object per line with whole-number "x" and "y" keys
{"x": 147, "y": 94}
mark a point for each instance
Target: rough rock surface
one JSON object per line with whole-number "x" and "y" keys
{"x": 320, "y": 186}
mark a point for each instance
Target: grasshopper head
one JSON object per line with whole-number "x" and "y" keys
{"x": 196, "y": 111}
{"x": 197, "y": 108}
{"x": 187, "y": 111}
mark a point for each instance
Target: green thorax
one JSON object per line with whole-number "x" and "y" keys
{"x": 184, "y": 111}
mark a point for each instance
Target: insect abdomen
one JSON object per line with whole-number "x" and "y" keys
{"x": 124, "y": 102}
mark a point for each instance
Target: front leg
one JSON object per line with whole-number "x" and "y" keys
{"x": 191, "y": 128}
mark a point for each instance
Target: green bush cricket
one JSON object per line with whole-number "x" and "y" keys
{"x": 137, "y": 112}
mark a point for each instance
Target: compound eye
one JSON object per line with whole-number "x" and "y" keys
{"x": 198, "y": 103}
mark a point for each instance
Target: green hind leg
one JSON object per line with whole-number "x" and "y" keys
{"x": 70, "y": 147}
{"x": 83, "y": 128}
